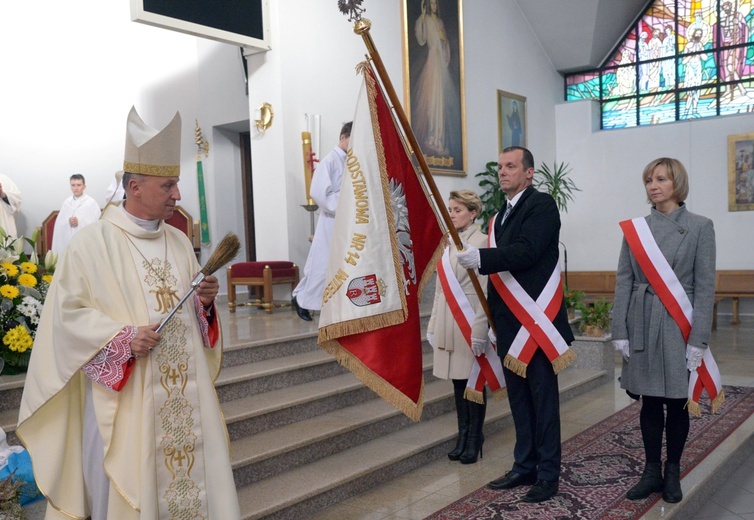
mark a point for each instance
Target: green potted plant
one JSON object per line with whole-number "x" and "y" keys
{"x": 573, "y": 301}
{"x": 493, "y": 198}
{"x": 556, "y": 182}
{"x": 595, "y": 317}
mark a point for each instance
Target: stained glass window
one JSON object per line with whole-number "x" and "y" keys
{"x": 680, "y": 60}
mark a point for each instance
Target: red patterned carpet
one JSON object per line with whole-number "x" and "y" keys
{"x": 601, "y": 463}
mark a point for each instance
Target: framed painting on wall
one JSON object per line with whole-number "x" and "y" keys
{"x": 511, "y": 120}
{"x": 741, "y": 172}
{"x": 434, "y": 81}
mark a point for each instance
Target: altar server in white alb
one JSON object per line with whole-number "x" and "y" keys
{"x": 78, "y": 210}
{"x": 325, "y": 191}
{"x": 10, "y": 201}
{"x": 122, "y": 422}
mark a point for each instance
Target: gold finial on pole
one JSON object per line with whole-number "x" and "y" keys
{"x": 352, "y": 8}
{"x": 201, "y": 143}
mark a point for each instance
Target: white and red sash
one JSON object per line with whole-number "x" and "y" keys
{"x": 669, "y": 290}
{"x": 487, "y": 368}
{"x": 537, "y": 329}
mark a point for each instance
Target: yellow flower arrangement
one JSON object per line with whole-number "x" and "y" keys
{"x": 18, "y": 339}
{"x": 9, "y": 269}
{"x": 24, "y": 282}
{"x": 27, "y": 280}
{"x": 9, "y": 291}
{"x": 29, "y": 267}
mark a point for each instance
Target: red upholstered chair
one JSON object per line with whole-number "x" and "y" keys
{"x": 183, "y": 221}
{"x": 44, "y": 242}
{"x": 262, "y": 275}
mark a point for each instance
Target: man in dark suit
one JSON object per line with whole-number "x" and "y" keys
{"x": 526, "y": 238}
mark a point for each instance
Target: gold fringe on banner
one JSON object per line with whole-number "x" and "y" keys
{"x": 718, "y": 402}
{"x": 360, "y": 325}
{"x": 560, "y": 363}
{"x": 694, "y": 408}
{"x": 478, "y": 397}
{"x": 473, "y": 395}
{"x": 500, "y": 394}
{"x": 563, "y": 361}
{"x": 514, "y": 365}
{"x": 378, "y": 385}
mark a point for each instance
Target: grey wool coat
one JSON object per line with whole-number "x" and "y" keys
{"x": 452, "y": 356}
{"x": 657, "y": 364}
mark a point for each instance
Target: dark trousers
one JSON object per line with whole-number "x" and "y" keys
{"x": 535, "y": 406}
{"x": 675, "y": 426}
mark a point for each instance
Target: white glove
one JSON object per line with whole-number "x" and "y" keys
{"x": 693, "y": 357}
{"x": 431, "y": 339}
{"x": 621, "y": 345}
{"x": 469, "y": 257}
{"x": 491, "y": 336}
{"x": 478, "y": 346}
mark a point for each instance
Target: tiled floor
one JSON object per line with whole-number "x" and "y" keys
{"x": 420, "y": 493}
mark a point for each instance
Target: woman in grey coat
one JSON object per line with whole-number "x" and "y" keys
{"x": 453, "y": 358}
{"x": 657, "y": 360}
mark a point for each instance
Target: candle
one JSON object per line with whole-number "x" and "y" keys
{"x": 306, "y": 147}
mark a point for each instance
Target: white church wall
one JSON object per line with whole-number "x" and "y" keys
{"x": 69, "y": 83}
{"x": 67, "y": 87}
{"x": 66, "y": 114}
{"x": 607, "y": 166}
{"x": 319, "y": 51}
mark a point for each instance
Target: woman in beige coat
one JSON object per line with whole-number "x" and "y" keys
{"x": 453, "y": 358}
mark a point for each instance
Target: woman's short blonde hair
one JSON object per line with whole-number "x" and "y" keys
{"x": 676, "y": 173}
{"x": 468, "y": 198}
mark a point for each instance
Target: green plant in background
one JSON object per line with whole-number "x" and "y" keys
{"x": 573, "y": 299}
{"x": 596, "y": 314}
{"x": 556, "y": 182}
{"x": 493, "y": 198}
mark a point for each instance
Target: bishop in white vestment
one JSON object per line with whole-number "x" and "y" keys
{"x": 122, "y": 422}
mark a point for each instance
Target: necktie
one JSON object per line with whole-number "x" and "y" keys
{"x": 508, "y": 209}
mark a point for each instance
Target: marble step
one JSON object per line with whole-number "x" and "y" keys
{"x": 306, "y": 488}
{"x": 263, "y": 455}
{"x": 239, "y": 353}
{"x": 255, "y": 413}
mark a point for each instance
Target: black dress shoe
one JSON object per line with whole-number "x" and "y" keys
{"x": 302, "y": 313}
{"x": 512, "y": 479}
{"x": 541, "y": 491}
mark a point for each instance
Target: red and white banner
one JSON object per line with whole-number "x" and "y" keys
{"x": 669, "y": 290}
{"x": 386, "y": 241}
{"x": 487, "y": 368}
{"x": 537, "y": 329}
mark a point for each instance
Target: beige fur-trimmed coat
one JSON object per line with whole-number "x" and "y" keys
{"x": 452, "y": 356}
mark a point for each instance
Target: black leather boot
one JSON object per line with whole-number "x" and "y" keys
{"x": 462, "y": 412}
{"x": 671, "y": 490}
{"x": 476, "y": 436}
{"x": 651, "y": 481}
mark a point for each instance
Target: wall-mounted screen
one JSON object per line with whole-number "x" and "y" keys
{"x": 238, "y": 22}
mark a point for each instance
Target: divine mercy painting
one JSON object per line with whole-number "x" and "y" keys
{"x": 433, "y": 72}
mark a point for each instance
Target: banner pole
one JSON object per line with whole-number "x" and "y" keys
{"x": 362, "y": 27}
